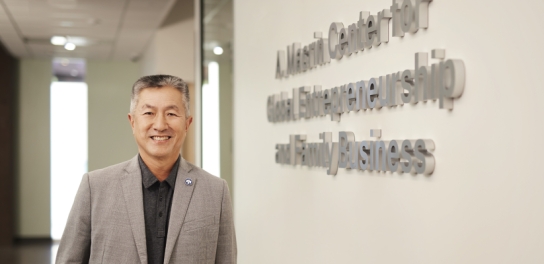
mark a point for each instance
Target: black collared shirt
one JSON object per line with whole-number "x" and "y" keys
{"x": 157, "y": 203}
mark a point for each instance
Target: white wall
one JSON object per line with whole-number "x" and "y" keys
{"x": 110, "y": 137}
{"x": 33, "y": 149}
{"x": 483, "y": 204}
{"x": 171, "y": 51}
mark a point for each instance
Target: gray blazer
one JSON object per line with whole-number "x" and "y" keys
{"x": 106, "y": 223}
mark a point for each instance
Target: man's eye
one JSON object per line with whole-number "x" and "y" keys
{"x": 172, "y": 114}
{"x": 148, "y": 113}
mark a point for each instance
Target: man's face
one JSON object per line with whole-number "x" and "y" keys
{"x": 159, "y": 123}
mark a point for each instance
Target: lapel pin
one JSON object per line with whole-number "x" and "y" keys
{"x": 188, "y": 182}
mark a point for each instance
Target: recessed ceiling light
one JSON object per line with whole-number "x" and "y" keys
{"x": 58, "y": 40}
{"x": 70, "y": 46}
{"x": 218, "y": 50}
{"x": 66, "y": 24}
{"x": 74, "y": 73}
{"x": 93, "y": 21}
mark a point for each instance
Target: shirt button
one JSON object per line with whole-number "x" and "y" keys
{"x": 160, "y": 214}
{"x": 160, "y": 199}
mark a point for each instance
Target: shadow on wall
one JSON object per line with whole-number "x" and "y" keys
{"x": 182, "y": 10}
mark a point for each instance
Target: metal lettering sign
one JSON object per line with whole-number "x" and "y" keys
{"x": 443, "y": 80}
{"x": 407, "y": 156}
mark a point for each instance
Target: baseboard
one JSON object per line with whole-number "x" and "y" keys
{"x": 33, "y": 241}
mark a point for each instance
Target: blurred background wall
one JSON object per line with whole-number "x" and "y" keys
{"x": 8, "y": 120}
{"x": 33, "y": 149}
{"x": 110, "y": 140}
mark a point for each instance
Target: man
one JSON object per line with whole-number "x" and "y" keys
{"x": 156, "y": 207}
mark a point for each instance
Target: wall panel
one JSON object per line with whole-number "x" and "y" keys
{"x": 8, "y": 75}
{"x": 33, "y": 149}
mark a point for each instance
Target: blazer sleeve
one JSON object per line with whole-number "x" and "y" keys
{"x": 75, "y": 244}
{"x": 226, "y": 245}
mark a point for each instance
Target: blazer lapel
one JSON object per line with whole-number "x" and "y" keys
{"x": 132, "y": 191}
{"x": 180, "y": 202}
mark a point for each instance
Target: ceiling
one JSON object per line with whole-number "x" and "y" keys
{"x": 217, "y": 28}
{"x": 104, "y": 29}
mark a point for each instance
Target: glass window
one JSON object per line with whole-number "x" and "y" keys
{"x": 216, "y": 90}
{"x": 69, "y": 139}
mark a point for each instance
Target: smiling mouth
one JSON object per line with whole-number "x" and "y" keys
{"x": 162, "y": 138}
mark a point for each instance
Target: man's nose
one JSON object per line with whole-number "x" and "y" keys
{"x": 160, "y": 123}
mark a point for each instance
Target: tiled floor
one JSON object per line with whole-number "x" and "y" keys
{"x": 29, "y": 253}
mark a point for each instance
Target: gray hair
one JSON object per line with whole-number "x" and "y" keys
{"x": 159, "y": 81}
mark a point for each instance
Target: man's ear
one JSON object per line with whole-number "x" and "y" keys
{"x": 188, "y": 122}
{"x": 131, "y": 121}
